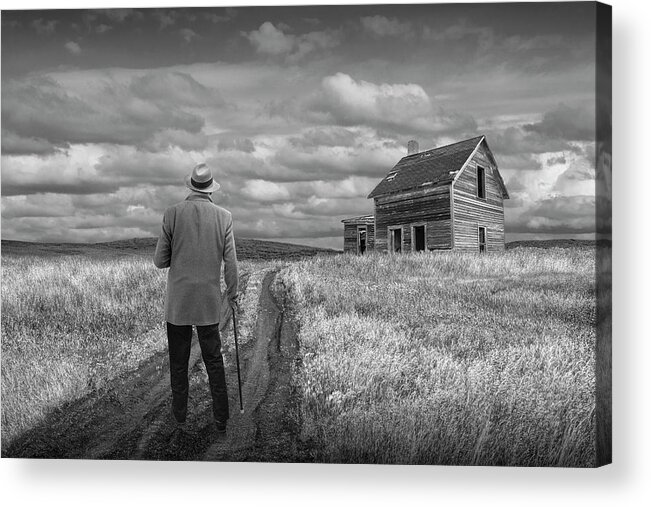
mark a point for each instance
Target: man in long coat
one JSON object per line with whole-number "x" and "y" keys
{"x": 196, "y": 237}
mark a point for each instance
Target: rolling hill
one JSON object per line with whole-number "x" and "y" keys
{"x": 558, "y": 243}
{"x": 247, "y": 249}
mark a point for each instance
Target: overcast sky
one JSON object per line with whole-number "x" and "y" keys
{"x": 300, "y": 111}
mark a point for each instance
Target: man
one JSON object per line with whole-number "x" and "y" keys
{"x": 196, "y": 236}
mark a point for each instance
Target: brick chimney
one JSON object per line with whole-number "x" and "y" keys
{"x": 412, "y": 147}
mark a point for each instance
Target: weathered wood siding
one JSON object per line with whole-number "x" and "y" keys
{"x": 428, "y": 206}
{"x": 370, "y": 236}
{"x": 470, "y": 212}
{"x": 350, "y": 237}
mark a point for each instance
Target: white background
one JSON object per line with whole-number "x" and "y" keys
{"x": 626, "y": 482}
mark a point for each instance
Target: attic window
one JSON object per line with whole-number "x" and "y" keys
{"x": 481, "y": 182}
{"x": 392, "y": 175}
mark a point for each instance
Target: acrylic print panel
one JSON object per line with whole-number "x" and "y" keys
{"x": 420, "y": 197}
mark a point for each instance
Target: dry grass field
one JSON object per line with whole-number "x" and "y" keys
{"x": 439, "y": 358}
{"x": 72, "y": 323}
{"x": 448, "y": 358}
{"x": 68, "y": 325}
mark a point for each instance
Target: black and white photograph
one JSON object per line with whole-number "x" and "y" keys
{"x": 345, "y": 234}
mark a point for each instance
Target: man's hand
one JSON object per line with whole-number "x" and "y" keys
{"x": 234, "y": 302}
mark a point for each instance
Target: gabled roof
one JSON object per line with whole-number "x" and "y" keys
{"x": 431, "y": 167}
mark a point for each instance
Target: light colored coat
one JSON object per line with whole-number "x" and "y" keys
{"x": 196, "y": 236}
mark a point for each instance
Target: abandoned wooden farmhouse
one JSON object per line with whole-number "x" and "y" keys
{"x": 449, "y": 198}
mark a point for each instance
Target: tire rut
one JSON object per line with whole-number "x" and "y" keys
{"x": 260, "y": 433}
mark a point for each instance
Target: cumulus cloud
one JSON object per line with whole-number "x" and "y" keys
{"x": 10, "y": 23}
{"x": 561, "y": 134}
{"x": 537, "y": 42}
{"x": 104, "y": 110}
{"x": 381, "y": 26}
{"x": 187, "y": 34}
{"x": 119, "y": 15}
{"x": 565, "y": 122}
{"x": 518, "y": 161}
{"x": 165, "y": 17}
{"x": 270, "y": 40}
{"x": 13, "y": 144}
{"x": 237, "y": 166}
{"x": 103, "y": 28}
{"x": 315, "y": 41}
{"x": 56, "y": 185}
{"x": 298, "y": 209}
{"x": 362, "y": 100}
{"x": 462, "y": 32}
{"x": 330, "y": 135}
{"x": 48, "y": 205}
{"x": 556, "y": 160}
{"x": 243, "y": 144}
{"x": 44, "y": 27}
{"x": 557, "y": 214}
{"x": 93, "y": 169}
{"x": 61, "y": 220}
{"x": 401, "y": 107}
{"x": 176, "y": 87}
{"x": 520, "y": 140}
{"x": 333, "y": 207}
{"x": 128, "y": 166}
{"x": 73, "y": 47}
{"x": 333, "y": 162}
{"x": 216, "y": 18}
{"x": 171, "y": 138}
{"x": 273, "y": 41}
{"x": 265, "y": 191}
{"x": 578, "y": 178}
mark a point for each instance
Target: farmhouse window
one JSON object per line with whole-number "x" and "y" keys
{"x": 481, "y": 182}
{"x": 482, "y": 239}
{"x": 361, "y": 239}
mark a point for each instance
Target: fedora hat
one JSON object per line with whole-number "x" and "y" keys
{"x": 201, "y": 180}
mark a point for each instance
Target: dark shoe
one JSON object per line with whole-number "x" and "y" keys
{"x": 178, "y": 423}
{"x": 220, "y": 426}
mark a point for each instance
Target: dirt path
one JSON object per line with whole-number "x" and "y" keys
{"x": 130, "y": 418}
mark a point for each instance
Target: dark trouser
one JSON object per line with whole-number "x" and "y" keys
{"x": 179, "y": 339}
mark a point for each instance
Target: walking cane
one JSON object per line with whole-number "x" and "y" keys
{"x": 237, "y": 360}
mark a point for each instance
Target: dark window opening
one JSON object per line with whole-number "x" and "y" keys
{"x": 396, "y": 240}
{"x": 481, "y": 182}
{"x": 482, "y": 239}
{"x": 361, "y": 241}
{"x": 419, "y": 238}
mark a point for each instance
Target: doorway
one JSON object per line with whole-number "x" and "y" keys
{"x": 361, "y": 240}
{"x": 396, "y": 240}
{"x": 419, "y": 238}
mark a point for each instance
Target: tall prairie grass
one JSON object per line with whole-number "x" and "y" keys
{"x": 68, "y": 325}
{"x": 447, "y": 358}
{"x": 72, "y": 323}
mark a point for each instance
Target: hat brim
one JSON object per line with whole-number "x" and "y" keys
{"x": 212, "y": 188}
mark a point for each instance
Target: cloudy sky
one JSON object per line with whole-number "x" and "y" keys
{"x": 299, "y": 110}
